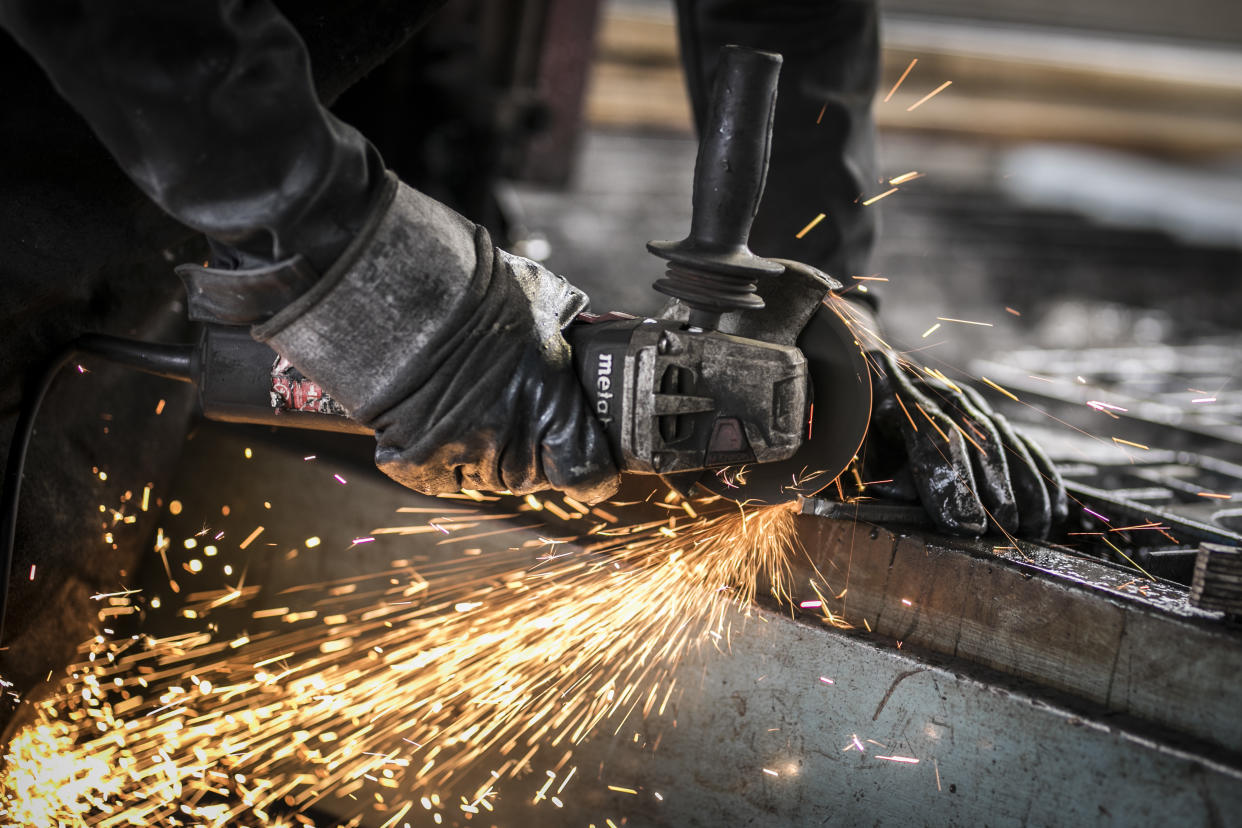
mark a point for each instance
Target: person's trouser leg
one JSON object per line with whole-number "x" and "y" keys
{"x": 821, "y": 163}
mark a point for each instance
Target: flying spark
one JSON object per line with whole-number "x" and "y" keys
{"x": 900, "y": 80}
{"x": 810, "y": 226}
{"x": 874, "y": 199}
{"x": 1004, "y": 391}
{"x": 407, "y": 695}
{"x": 964, "y": 321}
{"x": 251, "y": 537}
{"x": 929, "y": 96}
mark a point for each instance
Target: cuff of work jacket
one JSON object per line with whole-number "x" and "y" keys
{"x": 362, "y": 332}
{"x": 244, "y": 297}
{"x": 250, "y": 296}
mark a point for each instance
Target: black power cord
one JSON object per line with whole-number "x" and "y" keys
{"x": 170, "y": 361}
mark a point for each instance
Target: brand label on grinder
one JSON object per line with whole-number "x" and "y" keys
{"x": 603, "y": 389}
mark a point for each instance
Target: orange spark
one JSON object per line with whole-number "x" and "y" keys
{"x": 809, "y": 226}
{"x": 906, "y": 411}
{"x": 929, "y": 96}
{"x": 964, "y": 321}
{"x": 251, "y": 537}
{"x": 1007, "y": 393}
{"x": 874, "y": 199}
{"x": 899, "y": 80}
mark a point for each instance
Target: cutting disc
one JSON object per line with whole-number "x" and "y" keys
{"x": 841, "y": 409}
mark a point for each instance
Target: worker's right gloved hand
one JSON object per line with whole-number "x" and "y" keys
{"x": 943, "y": 445}
{"x": 452, "y": 351}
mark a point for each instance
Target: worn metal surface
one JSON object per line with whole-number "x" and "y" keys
{"x": 1003, "y": 756}
{"x": 1217, "y": 581}
{"x": 1067, "y": 623}
{"x": 1140, "y": 391}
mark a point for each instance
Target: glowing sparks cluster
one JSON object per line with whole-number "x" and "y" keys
{"x": 375, "y": 690}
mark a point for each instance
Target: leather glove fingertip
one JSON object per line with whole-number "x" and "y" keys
{"x": 951, "y": 504}
{"x": 1034, "y": 503}
{"x": 945, "y": 479}
{"x": 1053, "y": 482}
{"x": 574, "y": 451}
{"x": 584, "y": 469}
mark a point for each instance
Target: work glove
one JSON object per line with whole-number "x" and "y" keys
{"x": 941, "y": 443}
{"x": 451, "y": 349}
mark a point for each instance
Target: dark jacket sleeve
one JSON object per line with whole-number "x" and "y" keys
{"x": 209, "y": 106}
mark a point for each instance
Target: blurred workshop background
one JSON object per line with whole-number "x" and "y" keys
{"x": 1084, "y": 169}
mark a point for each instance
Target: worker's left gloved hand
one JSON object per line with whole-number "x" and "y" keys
{"x": 452, "y": 351}
{"x": 943, "y": 445}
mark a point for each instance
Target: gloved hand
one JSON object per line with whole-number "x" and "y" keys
{"x": 946, "y": 447}
{"x": 452, "y": 351}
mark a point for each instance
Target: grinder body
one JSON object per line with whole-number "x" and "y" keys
{"x": 675, "y": 399}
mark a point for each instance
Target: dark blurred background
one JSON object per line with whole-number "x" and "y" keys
{"x": 1083, "y": 169}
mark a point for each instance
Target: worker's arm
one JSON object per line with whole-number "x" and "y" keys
{"x": 210, "y": 109}
{"x": 403, "y": 310}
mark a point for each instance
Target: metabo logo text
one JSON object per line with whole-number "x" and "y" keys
{"x": 603, "y": 389}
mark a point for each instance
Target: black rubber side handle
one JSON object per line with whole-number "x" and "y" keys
{"x": 729, "y": 176}
{"x": 732, "y": 163}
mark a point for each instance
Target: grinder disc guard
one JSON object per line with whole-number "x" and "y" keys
{"x": 841, "y": 408}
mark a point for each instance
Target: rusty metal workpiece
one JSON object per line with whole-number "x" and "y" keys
{"x": 1069, "y": 623}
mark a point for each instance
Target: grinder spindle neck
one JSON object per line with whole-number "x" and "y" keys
{"x": 713, "y": 270}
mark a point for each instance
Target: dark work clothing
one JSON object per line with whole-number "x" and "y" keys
{"x": 210, "y": 109}
{"x": 823, "y": 144}
{"x": 79, "y": 237}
